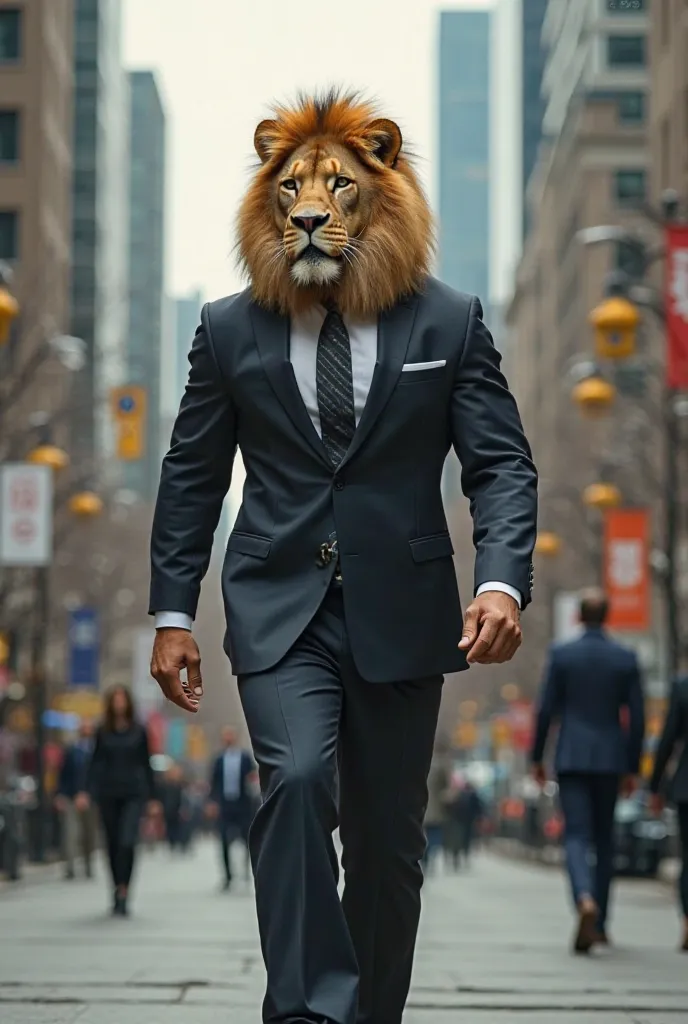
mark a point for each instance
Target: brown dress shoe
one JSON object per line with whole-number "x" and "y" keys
{"x": 587, "y": 925}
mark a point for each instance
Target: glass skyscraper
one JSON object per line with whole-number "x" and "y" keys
{"x": 146, "y": 268}
{"x": 464, "y": 132}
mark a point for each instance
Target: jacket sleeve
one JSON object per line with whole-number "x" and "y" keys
{"x": 64, "y": 785}
{"x": 196, "y": 474}
{"x": 636, "y": 723}
{"x": 548, "y": 708}
{"x": 215, "y": 787}
{"x": 670, "y": 737}
{"x": 497, "y": 471}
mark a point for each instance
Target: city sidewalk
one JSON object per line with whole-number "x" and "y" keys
{"x": 493, "y": 950}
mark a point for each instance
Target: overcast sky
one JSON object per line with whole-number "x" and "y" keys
{"x": 220, "y": 62}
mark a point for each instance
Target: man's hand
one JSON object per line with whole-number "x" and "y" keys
{"x": 491, "y": 629}
{"x": 540, "y": 775}
{"x": 173, "y": 650}
{"x": 212, "y": 810}
{"x": 82, "y": 802}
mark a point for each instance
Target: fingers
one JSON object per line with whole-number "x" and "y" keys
{"x": 471, "y": 627}
{"x": 499, "y": 639}
{"x": 173, "y": 651}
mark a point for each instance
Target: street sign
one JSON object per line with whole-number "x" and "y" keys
{"x": 26, "y": 515}
{"x": 129, "y": 411}
{"x": 84, "y": 648}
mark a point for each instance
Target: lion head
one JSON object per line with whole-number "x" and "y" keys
{"x": 335, "y": 211}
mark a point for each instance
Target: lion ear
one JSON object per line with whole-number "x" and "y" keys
{"x": 383, "y": 140}
{"x": 264, "y": 139}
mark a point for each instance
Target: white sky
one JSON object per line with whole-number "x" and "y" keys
{"x": 220, "y": 62}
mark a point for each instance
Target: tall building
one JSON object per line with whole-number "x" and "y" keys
{"x": 100, "y": 219}
{"x": 464, "y": 150}
{"x": 532, "y": 101}
{"x": 595, "y": 45}
{"x": 146, "y": 268}
{"x": 35, "y": 186}
{"x": 669, "y": 91}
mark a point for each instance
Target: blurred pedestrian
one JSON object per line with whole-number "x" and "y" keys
{"x": 121, "y": 783}
{"x": 77, "y": 815}
{"x": 436, "y": 811}
{"x": 676, "y": 732}
{"x": 171, "y": 795}
{"x": 468, "y": 810}
{"x": 231, "y": 799}
{"x": 587, "y": 684}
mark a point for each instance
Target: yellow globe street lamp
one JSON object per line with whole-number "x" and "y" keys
{"x": 602, "y": 496}
{"x": 548, "y": 544}
{"x": 9, "y": 311}
{"x": 594, "y": 396}
{"x": 616, "y": 322}
{"x": 510, "y": 692}
{"x": 48, "y": 455}
{"x": 468, "y": 709}
{"x": 86, "y": 505}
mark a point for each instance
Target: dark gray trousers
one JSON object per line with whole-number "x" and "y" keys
{"x": 345, "y": 962}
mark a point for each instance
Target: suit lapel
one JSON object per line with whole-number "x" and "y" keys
{"x": 394, "y": 336}
{"x": 271, "y": 333}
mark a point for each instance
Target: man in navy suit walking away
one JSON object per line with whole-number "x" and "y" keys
{"x": 231, "y": 797}
{"x": 591, "y": 684}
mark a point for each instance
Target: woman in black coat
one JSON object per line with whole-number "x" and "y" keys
{"x": 121, "y": 783}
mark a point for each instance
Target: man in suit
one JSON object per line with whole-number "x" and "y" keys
{"x": 588, "y": 684}
{"x": 675, "y": 733}
{"x": 77, "y": 813}
{"x": 339, "y": 584}
{"x": 231, "y": 802}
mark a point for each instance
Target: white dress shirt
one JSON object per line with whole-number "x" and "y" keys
{"x": 303, "y": 352}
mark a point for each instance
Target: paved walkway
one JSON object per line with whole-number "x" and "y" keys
{"x": 493, "y": 950}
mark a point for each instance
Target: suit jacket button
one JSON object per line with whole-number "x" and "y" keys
{"x": 339, "y": 484}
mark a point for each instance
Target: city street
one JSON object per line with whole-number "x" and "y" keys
{"x": 493, "y": 950}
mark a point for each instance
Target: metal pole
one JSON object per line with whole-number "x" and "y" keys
{"x": 38, "y": 664}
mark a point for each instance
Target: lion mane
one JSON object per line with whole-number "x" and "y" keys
{"x": 391, "y": 255}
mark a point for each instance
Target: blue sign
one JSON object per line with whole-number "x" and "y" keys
{"x": 176, "y": 739}
{"x": 84, "y": 648}
{"x": 127, "y": 403}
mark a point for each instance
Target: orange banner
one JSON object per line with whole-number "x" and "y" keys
{"x": 626, "y": 568}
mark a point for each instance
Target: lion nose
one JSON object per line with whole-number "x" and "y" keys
{"x": 310, "y": 223}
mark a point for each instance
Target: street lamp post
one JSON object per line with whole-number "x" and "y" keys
{"x": 621, "y": 287}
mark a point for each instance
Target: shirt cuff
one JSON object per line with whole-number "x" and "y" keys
{"x": 504, "y": 588}
{"x": 173, "y": 620}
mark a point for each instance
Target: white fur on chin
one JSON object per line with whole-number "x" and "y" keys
{"x": 323, "y": 272}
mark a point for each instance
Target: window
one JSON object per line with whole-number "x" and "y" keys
{"x": 626, "y": 51}
{"x": 630, "y": 187}
{"x": 631, "y": 107}
{"x": 9, "y": 234}
{"x": 10, "y": 34}
{"x": 9, "y": 136}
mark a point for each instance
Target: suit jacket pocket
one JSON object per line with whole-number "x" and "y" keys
{"x": 425, "y": 549}
{"x": 435, "y": 373}
{"x": 249, "y": 544}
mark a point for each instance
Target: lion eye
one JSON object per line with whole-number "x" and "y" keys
{"x": 342, "y": 182}
{"x": 289, "y": 184}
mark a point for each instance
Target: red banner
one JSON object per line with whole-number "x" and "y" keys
{"x": 626, "y": 567}
{"x": 521, "y": 723}
{"x": 677, "y": 306}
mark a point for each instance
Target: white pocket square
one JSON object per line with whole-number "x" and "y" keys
{"x": 434, "y": 365}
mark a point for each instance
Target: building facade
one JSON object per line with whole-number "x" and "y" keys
{"x": 35, "y": 194}
{"x": 532, "y": 101}
{"x": 100, "y": 220}
{"x": 146, "y": 269}
{"x": 669, "y": 98}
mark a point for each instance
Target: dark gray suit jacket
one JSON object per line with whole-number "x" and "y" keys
{"x": 588, "y": 682}
{"x": 674, "y": 735}
{"x": 384, "y": 501}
